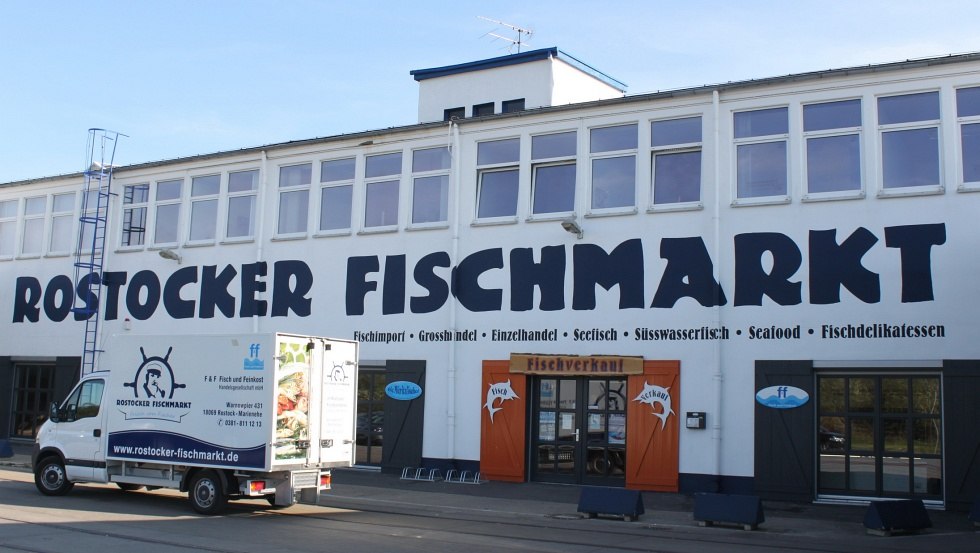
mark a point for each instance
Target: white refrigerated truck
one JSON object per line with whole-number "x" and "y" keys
{"x": 218, "y": 416}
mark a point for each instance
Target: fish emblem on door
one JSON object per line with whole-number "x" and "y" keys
{"x": 501, "y": 391}
{"x": 653, "y": 395}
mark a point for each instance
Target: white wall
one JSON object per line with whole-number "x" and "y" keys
{"x": 453, "y": 393}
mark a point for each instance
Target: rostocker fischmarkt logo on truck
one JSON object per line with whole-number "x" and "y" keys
{"x": 153, "y": 391}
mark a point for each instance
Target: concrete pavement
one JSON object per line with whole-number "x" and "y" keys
{"x": 551, "y": 504}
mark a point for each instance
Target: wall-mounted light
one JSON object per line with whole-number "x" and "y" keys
{"x": 572, "y": 226}
{"x": 167, "y": 253}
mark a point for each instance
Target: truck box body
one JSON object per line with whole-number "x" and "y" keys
{"x": 264, "y": 415}
{"x": 261, "y": 402}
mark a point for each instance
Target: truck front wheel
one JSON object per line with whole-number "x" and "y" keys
{"x": 207, "y": 493}
{"x": 50, "y": 477}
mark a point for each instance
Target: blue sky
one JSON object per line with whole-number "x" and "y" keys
{"x": 193, "y": 77}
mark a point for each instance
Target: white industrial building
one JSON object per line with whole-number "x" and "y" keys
{"x": 764, "y": 286}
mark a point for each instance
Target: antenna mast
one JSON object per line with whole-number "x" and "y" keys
{"x": 523, "y": 35}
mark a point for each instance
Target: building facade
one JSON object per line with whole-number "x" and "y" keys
{"x": 763, "y": 287}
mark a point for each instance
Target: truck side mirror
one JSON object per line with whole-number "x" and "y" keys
{"x": 72, "y": 414}
{"x": 53, "y": 412}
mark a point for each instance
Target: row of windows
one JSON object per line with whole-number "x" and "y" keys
{"x": 207, "y": 208}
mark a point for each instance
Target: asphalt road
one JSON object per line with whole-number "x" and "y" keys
{"x": 105, "y": 519}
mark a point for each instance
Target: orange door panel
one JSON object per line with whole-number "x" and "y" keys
{"x": 502, "y": 422}
{"x": 653, "y": 427}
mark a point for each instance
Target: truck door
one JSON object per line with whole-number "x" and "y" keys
{"x": 293, "y": 363}
{"x": 338, "y": 390}
{"x": 79, "y": 431}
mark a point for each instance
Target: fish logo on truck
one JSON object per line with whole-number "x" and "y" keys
{"x": 153, "y": 387}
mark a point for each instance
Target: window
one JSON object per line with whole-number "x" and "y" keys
{"x": 430, "y": 185}
{"x": 761, "y": 149}
{"x": 832, "y": 131}
{"x": 33, "y": 238}
{"x": 135, "y": 197}
{"x": 90, "y": 210}
{"x": 33, "y": 392}
{"x": 453, "y": 113}
{"x": 968, "y": 113}
{"x": 381, "y": 191}
{"x": 553, "y": 173}
{"x": 84, "y": 402}
{"x": 242, "y": 186}
{"x": 8, "y": 227}
{"x": 909, "y": 130}
{"x": 336, "y": 193}
{"x": 613, "y": 152}
{"x": 510, "y": 106}
{"x": 676, "y": 161}
{"x": 204, "y": 207}
{"x": 497, "y": 178}
{"x": 167, "y": 219}
{"x": 294, "y": 198}
{"x": 62, "y": 222}
{"x": 880, "y": 435}
{"x": 483, "y": 109}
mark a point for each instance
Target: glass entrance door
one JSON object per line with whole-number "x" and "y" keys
{"x": 579, "y": 430}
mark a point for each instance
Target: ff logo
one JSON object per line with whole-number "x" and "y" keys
{"x": 154, "y": 378}
{"x": 253, "y": 362}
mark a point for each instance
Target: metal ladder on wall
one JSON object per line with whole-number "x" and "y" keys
{"x": 90, "y": 248}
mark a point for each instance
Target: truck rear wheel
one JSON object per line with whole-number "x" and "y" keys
{"x": 50, "y": 477}
{"x": 207, "y": 493}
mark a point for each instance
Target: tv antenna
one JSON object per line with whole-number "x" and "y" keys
{"x": 522, "y": 34}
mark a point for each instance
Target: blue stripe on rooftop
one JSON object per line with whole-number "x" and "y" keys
{"x": 515, "y": 59}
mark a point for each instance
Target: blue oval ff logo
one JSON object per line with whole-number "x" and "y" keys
{"x": 403, "y": 391}
{"x": 782, "y": 397}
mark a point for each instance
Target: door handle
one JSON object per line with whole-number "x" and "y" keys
{"x": 576, "y": 434}
{"x": 97, "y": 432}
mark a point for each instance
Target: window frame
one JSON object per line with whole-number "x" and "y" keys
{"x": 336, "y": 184}
{"x": 378, "y": 180}
{"x": 194, "y": 200}
{"x": 757, "y": 140}
{"x": 292, "y": 189}
{"x": 673, "y": 149}
{"x": 916, "y": 125}
{"x": 441, "y": 172}
{"x": 963, "y": 121}
{"x": 498, "y": 167}
{"x": 857, "y": 131}
{"x": 564, "y": 160}
{"x": 58, "y": 215}
{"x": 602, "y": 155}
{"x": 10, "y": 222}
{"x": 132, "y": 206}
{"x": 230, "y": 195}
{"x": 34, "y": 219}
{"x": 158, "y": 203}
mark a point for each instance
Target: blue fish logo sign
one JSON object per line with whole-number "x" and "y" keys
{"x": 782, "y": 397}
{"x": 403, "y": 390}
{"x": 253, "y": 362}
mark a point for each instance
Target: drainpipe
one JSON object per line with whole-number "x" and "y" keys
{"x": 260, "y": 219}
{"x": 717, "y": 377}
{"x": 454, "y": 187}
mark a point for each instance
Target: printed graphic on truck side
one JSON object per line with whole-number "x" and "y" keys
{"x": 195, "y": 402}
